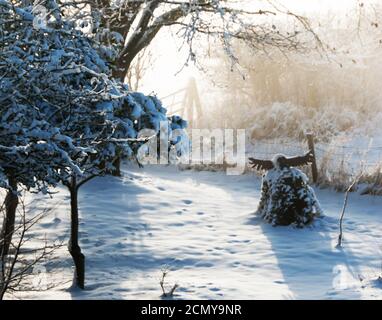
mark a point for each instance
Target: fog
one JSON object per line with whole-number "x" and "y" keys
{"x": 333, "y": 89}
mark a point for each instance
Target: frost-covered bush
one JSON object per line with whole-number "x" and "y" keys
{"x": 145, "y": 112}
{"x": 282, "y": 95}
{"x": 287, "y": 198}
{"x": 289, "y": 120}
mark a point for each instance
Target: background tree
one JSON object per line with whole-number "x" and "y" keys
{"x": 126, "y": 27}
{"x": 139, "y": 68}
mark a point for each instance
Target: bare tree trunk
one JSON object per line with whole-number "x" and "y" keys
{"x": 74, "y": 248}
{"x": 121, "y": 67}
{"x": 11, "y": 202}
{"x": 117, "y": 164}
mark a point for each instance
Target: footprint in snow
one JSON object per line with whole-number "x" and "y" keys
{"x": 99, "y": 243}
{"x": 54, "y": 222}
{"x": 239, "y": 241}
{"x": 176, "y": 224}
{"x": 187, "y": 201}
{"x": 279, "y": 281}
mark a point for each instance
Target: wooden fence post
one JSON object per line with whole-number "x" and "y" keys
{"x": 310, "y": 139}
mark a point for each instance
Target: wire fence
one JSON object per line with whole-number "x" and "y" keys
{"x": 337, "y": 163}
{"x": 291, "y": 148}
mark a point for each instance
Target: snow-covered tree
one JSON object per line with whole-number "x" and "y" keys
{"x": 58, "y": 98}
{"x": 34, "y": 88}
{"x": 33, "y": 153}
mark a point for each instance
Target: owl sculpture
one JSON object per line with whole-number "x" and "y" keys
{"x": 286, "y": 196}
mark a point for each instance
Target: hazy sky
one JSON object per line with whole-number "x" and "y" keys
{"x": 163, "y": 77}
{"x": 318, "y": 5}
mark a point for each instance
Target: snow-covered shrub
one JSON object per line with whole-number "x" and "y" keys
{"x": 57, "y": 72}
{"x": 142, "y": 112}
{"x": 287, "y": 198}
{"x": 290, "y": 120}
{"x": 373, "y": 181}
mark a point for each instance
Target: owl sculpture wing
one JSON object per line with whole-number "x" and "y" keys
{"x": 298, "y": 161}
{"x": 261, "y": 164}
{"x": 289, "y": 162}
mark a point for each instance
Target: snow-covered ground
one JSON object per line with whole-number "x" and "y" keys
{"x": 201, "y": 225}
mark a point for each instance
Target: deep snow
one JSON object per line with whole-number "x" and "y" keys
{"x": 201, "y": 224}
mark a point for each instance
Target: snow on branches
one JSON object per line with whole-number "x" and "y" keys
{"x": 31, "y": 151}
{"x": 43, "y": 72}
{"x": 55, "y": 78}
